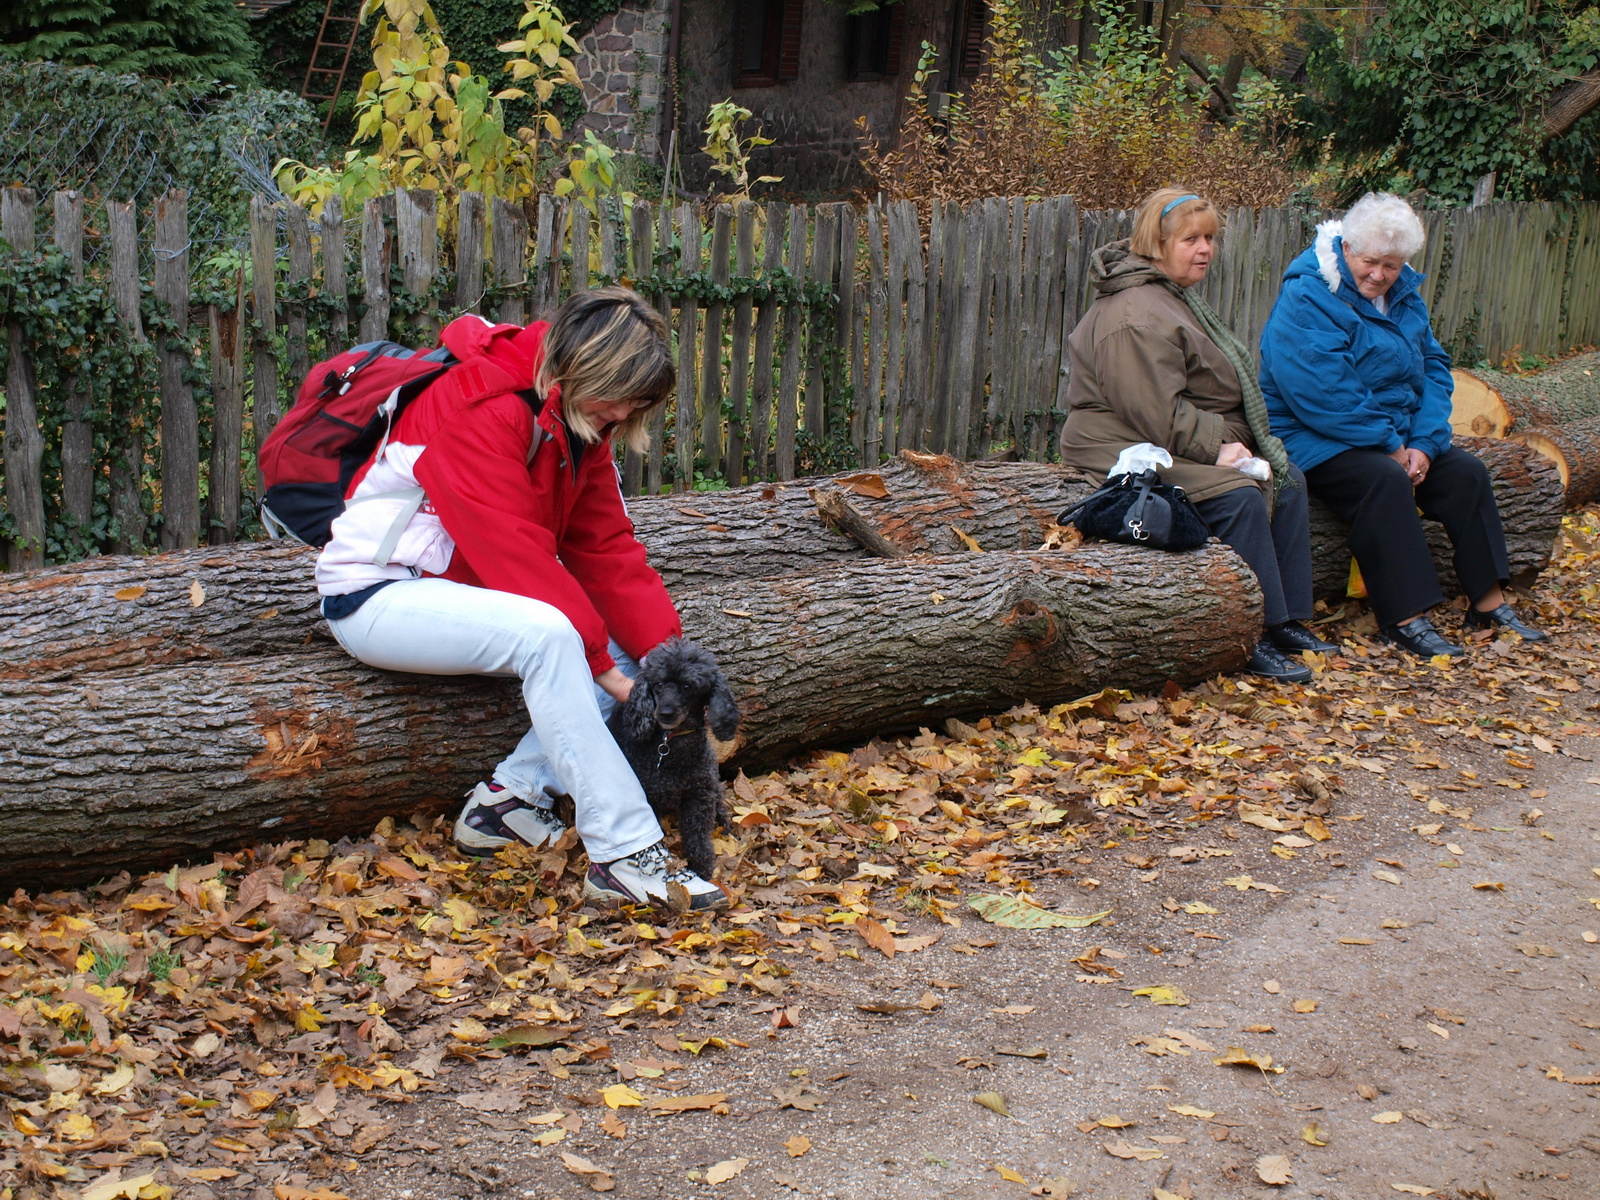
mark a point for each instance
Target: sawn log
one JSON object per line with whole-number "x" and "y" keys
{"x": 257, "y": 598}
{"x": 1574, "y": 448}
{"x": 1489, "y": 403}
{"x": 125, "y": 767}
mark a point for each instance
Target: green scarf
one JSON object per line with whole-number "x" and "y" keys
{"x": 1255, "y": 404}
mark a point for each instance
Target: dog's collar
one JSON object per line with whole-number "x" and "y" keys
{"x": 668, "y": 734}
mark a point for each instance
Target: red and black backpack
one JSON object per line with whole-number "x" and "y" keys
{"x": 345, "y": 407}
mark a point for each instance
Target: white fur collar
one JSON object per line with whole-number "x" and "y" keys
{"x": 1326, "y": 263}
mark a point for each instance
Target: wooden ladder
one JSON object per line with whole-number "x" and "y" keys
{"x": 342, "y": 45}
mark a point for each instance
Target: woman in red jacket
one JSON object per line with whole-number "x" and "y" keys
{"x": 488, "y": 536}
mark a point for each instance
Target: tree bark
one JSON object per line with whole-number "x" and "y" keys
{"x": 1571, "y": 104}
{"x": 1494, "y": 403}
{"x": 257, "y": 598}
{"x": 131, "y": 768}
{"x": 1574, "y": 448}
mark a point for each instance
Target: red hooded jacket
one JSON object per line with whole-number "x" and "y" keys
{"x": 555, "y": 530}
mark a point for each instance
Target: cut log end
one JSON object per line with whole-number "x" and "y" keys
{"x": 1574, "y": 448}
{"x": 1477, "y": 409}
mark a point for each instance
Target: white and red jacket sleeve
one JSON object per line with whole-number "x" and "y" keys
{"x": 504, "y": 517}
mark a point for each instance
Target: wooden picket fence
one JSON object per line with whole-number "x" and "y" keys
{"x": 806, "y": 337}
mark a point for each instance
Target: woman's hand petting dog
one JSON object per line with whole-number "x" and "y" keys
{"x": 679, "y": 694}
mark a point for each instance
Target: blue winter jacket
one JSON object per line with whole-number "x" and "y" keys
{"x": 1339, "y": 375}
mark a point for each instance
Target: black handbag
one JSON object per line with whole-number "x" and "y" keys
{"x": 1141, "y": 511}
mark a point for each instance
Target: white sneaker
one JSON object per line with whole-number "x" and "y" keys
{"x": 495, "y": 817}
{"x": 649, "y": 877}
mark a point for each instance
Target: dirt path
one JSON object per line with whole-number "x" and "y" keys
{"x": 1446, "y": 1016}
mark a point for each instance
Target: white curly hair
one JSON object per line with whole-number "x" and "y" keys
{"x": 1381, "y": 224}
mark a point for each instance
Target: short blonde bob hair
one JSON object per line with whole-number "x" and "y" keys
{"x": 608, "y": 344}
{"x": 1153, "y": 232}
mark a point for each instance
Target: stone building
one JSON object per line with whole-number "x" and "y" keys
{"x": 806, "y": 69}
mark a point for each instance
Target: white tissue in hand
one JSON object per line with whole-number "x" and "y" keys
{"x": 1139, "y": 458}
{"x": 1256, "y": 468}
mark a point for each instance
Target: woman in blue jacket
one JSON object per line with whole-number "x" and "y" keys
{"x": 1359, "y": 390}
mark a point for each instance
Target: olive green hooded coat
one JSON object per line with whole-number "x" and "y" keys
{"x": 1143, "y": 370}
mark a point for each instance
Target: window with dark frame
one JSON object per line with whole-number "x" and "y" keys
{"x": 766, "y": 42}
{"x": 874, "y": 41}
{"x": 972, "y": 26}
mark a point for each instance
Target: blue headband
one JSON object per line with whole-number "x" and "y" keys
{"x": 1174, "y": 204}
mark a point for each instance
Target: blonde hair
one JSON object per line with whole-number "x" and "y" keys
{"x": 1152, "y": 231}
{"x": 608, "y": 344}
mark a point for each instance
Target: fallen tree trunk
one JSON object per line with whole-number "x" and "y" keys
{"x": 136, "y": 767}
{"x": 257, "y": 599}
{"x": 1574, "y": 448}
{"x": 1491, "y": 404}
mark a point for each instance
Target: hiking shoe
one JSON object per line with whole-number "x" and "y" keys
{"x": 1267, "y": 661}
{"x": 495, "y": 817}
{"x": 649, "y": 877}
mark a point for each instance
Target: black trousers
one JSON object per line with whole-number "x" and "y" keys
{"x": 1277, "y": 550}
{"x": 1374, "y": 494}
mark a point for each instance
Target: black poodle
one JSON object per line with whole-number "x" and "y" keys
{"x": 679, "y": 692}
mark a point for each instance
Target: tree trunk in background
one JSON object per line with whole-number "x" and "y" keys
{"x": 132, "y": 768}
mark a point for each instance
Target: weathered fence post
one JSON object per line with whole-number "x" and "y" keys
{"x": 654, "y": 472}
{"x": 773, "y": 237}
{"x": 510, "y": 262}
{"x": 227, "y": 422}
{"x": 739, "y": 367}
{"x": 127, "y": 457}
{"x": 334, "y": 283}
{"x": 417, "y": 235}
{"x": 871, "y": 405}
{"x": 683, "y": 414}
{"x": 180, "y": 422}
{"x": 375, "y": 270}
{"x": 824, "y": 244}
{"x": 793, "y": 322}
{"x": 264, "y": 314}
{"x": 24, "y": 454}
{"x": 711, "y": 350}
{"x": 298, "y": 228}
{"x": 469, "y": 251}
{"x": 77, "y": 431}
{"x": 642, "y": 266}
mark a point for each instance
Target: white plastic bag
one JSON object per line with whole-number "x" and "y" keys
{"x": 1137, "y": 459}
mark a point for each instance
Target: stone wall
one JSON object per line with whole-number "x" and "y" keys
{"x": 622, "y": 67}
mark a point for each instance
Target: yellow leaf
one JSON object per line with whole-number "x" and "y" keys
{"x": 1415, "y": 1189}
{"x": 1009, "y": 1175}
{"x": 1274, "y": 1169}
{"x": 308, "y": 1019}
{"x": 130, "y": 593}
{"x": 726, "y": 1170}
{"x": 1189, "y": 1110}
{"x": 994, "y": 1102}
{"x": 1165, "y": 994}
{"x": 197, "y": 594}
{"x": 797, "y": 1145}
{"x": 550, "y": 1137}
{"x": 462, "y": 915}
{"x": 1388, "y": 1118}
{"x": 1122, "y": 1149}
{"x": 114, "y": 1082}
{"x": 1314, "y": 1135}
{"x": 1305, "y": 1006}
{"x": 1239, "y": 1057}
{"x": 620, "y": 1095}
{"x": 118, "y": 1189}
{"x": 1199, "y": 908}
{"x": 76, "y": 1127}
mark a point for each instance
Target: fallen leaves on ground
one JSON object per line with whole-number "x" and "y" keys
{"x": 294, "y": 995}
{"x": 1274, "y": 1169}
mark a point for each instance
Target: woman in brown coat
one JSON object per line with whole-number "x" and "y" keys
{"x": 1152, "y": 363}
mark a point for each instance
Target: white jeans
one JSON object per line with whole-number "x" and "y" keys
{"x": 437, "y": 627}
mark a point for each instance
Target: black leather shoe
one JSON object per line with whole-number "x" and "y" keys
{"x": 1420, "y": 637}
{"x": 1295, "y": 637}
{"x": 1267, "y": 661}
{"x": 1506, "y": 618}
